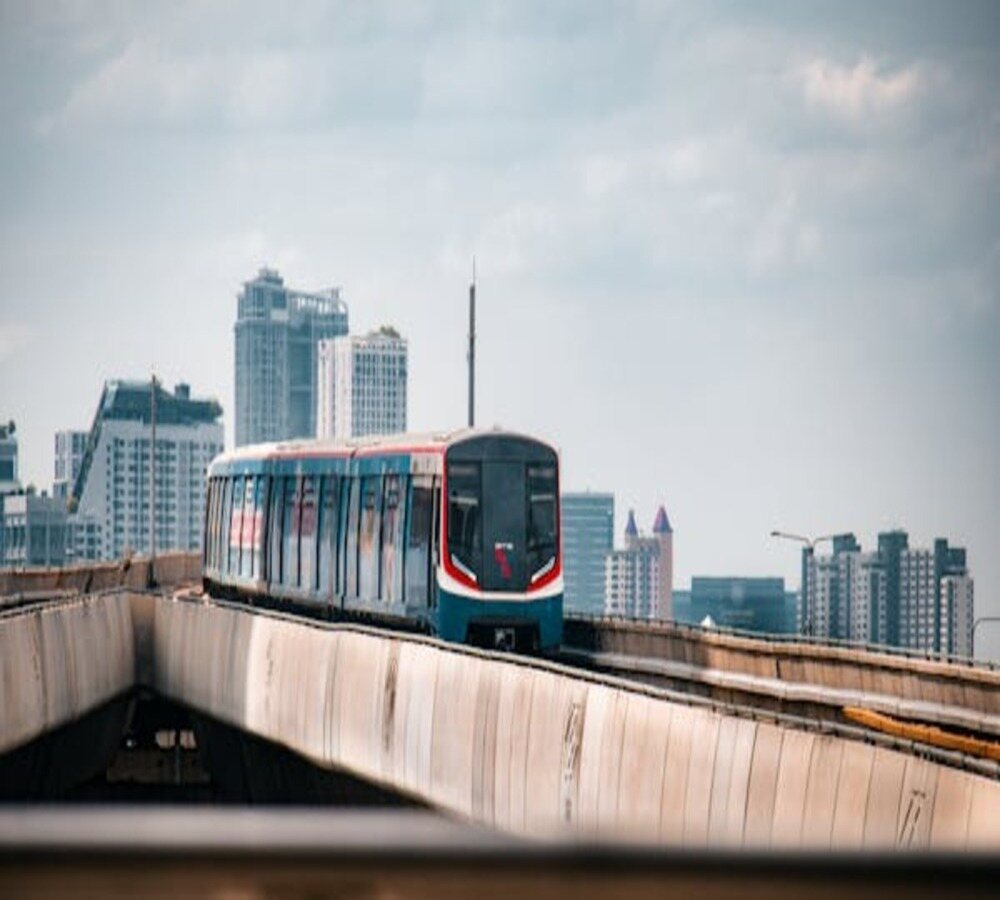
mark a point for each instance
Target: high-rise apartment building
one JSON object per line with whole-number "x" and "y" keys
{"x": 9, "y": 482}
{"x": 638, "y": 579}
{"x": 110, "y": 498}
{"x": 956, "y": 614}
{"x": 361, "y": 385}
{"x": 915, "y": 598}
{"x": 277, "y": 335}
{"x": 69, "y": 447}
{"x": 588, "y": 527}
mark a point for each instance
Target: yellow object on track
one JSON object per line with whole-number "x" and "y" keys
{"x": 925, "y": 734}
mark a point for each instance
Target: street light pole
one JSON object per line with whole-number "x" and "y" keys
{"x": 975, "y": 625}
{"x": 810, "y": 549}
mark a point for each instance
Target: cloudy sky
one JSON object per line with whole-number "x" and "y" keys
{"x": 741, "y": 259}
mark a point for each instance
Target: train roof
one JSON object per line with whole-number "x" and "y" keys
{"x": 429, "y": 441}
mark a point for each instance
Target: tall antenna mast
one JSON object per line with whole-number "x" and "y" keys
{"x": 472, "y": 347}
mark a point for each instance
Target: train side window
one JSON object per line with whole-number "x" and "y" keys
{"x": 257, "y": 530}
{"x": 368, "y": 537}
{"x": 236, "y": 526}
{"x": 329, "y": 515}
{"x": 275, "y": 518}
{"x": 393, "y": 519}
{"x": 224, "y": 530}
{"x": 307, "y": 532}
{"x": 435, "y": 540}
{"x": 246, "y": 529}
{"x": 290, "y": 534}
{"x": 353, "y": 517}
{"x": 216, "y": 526}
{"x": 418, "y": 545}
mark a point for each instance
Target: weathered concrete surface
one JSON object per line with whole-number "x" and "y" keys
{"x": 60, "y": 662}
{"x": 530, "y": 748}
{"x": 964, "y": 695}
{"x": 536, "y": 750}
{"x": 168, "y": 569}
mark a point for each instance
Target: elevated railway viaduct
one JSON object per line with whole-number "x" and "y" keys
{"x": 532, "y": 747}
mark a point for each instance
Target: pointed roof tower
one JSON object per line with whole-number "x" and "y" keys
{"x": 630, "y": 529}
{"x": 662, "y": 523}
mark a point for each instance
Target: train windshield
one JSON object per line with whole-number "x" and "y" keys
{"x": 502, "y": 511}
{"x": 543, "y": 539}
{"x": 465, "y": 534}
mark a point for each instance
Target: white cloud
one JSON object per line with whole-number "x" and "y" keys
{"x": 859, "y": 91}
{"x": 150, "y": 83}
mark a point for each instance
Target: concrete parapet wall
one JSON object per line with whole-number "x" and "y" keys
{"x": 539, "y": 750}
{"x": 59, "y": 662}
{"x": 929, "y": 681}
{"x": 169, "y": 569}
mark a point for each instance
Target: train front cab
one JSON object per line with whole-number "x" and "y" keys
{"x": 500, "y": 578}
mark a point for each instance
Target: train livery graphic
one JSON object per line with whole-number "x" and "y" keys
{"x": 453, "y": 534}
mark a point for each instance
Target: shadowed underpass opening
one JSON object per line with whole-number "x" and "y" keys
{"x": 141, "y": 748}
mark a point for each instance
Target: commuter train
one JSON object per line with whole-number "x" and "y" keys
{"x": 454, "y": 534}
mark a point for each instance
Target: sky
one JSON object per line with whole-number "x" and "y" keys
{"x": 739, "y": 259}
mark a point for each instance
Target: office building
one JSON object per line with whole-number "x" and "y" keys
{"x": 277, "y": 335}
{"x": 69, "y": 447}
{"x": 915, "y": 598}
{"x": 361, "y": 385}
{"x": 9, "y": 482}
{"x": 638, "y": 580}
{"x": 749, "y": 604}
{"x": 956, "y": 616}
{"x": 110, "y": 500}
{"x": 588, "y": 527}
{"x": 34, "y": 528}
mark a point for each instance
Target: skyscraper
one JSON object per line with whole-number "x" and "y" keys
{"x": 588, "y": 525}
{"x": 8, "y": 459}
{"x": 110, "y": 498}
{"x": 361, "y": 385}
{"x": 69, "y": 447}
{"x": 277, "y": 332}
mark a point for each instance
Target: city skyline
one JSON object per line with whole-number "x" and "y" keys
{"x": 756, "y": 346}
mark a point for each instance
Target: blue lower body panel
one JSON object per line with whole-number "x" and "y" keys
{"x": 455, "y": 614}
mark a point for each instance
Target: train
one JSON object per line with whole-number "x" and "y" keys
{"x": 453, "y": 534}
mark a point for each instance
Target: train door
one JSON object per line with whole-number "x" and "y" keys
{"x": 419, "y": 544}
{"x": 369, "y": 537}
{"x": 329, "y": 515}
{"x": 393, "y": 519}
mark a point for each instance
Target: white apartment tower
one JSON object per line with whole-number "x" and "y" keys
{"x": 109, "y": 501}
{"x": 361, "y": 385}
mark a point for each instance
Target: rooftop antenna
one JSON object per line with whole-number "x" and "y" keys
{"x": 472, "y": 347}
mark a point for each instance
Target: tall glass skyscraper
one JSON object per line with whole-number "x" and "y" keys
{"x": 277, "y": 333}
{"x": 588, "y": 524}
